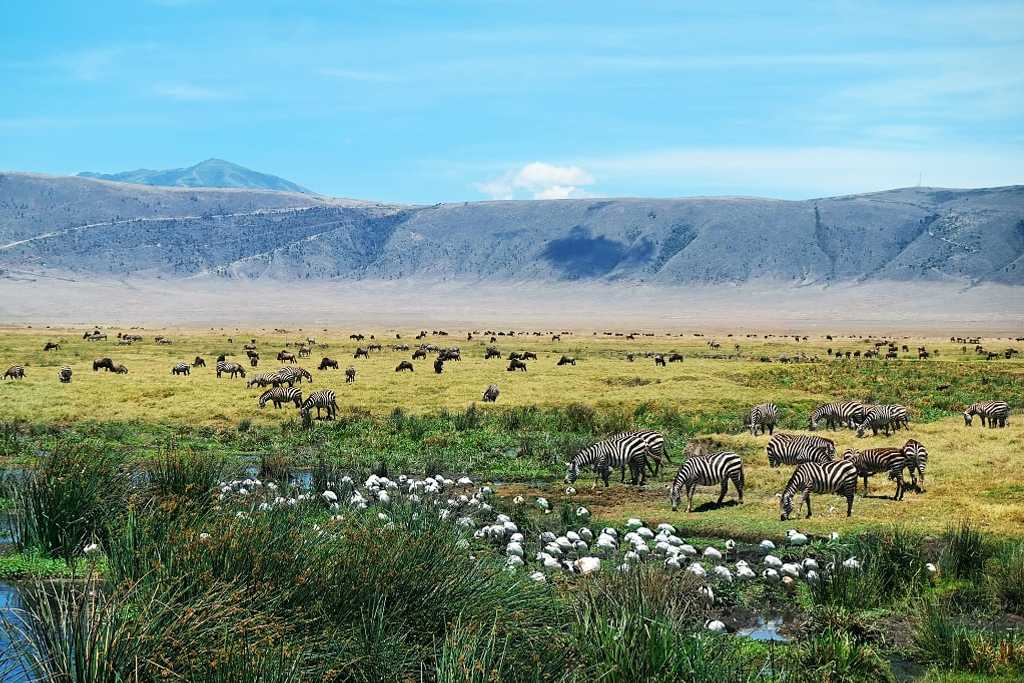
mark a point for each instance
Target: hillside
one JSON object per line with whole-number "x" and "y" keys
{"x": 209, "y": 173}
{"x": 914, "y": 234}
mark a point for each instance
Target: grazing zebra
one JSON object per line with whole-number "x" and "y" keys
{"x": 280, "y": 395}
{"x": 290, "y": 376}
{"x": 491, "y": 393}
{"x": 707, "y": 470}
{"x": 656, "y": 452}
{"x": 764, "y": 417}
{"x": 232, "y": 369}
{"x": 180, "y": 369}
{"x": 15, "y": 372}
{"x": 884, "y": 417}
{"x": 874, "y": 460}
{"x": 64, "y": 374}
{"x": 261, "y": 380}
{"x": 995, "y": 412}
{"x": 838, "y": 477}
{"x": 791, "y": 449}
{"x": 605, "y": 455}
{"x": 842, "y": 413}
{"x": 350, "y": 374}
{"x": 916, "y": 461}
{"x": 324, "y": 399}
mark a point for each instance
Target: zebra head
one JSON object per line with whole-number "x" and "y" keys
{"x": 786, "y": 505}
{"x": 968, "y": 415}
{"x": 264, "y": 398}
{"x": 674, "y": 496}
{"x": 572, "y": 472}
{"x": 861, "y": 428}
{"x": 812, "y": 422}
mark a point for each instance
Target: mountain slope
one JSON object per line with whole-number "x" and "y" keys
{"x": 914, "y": 234}
{"x": 209, "y": 173}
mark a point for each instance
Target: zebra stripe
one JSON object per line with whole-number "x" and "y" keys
{"x": 707, "y": 470}
{"x": 321, "y": 400}
{"x": 290, "y": 376}
{"x": 230, "y": 368}
{"x": 916, "y": 457}
{"x": 841, "y": 413}
{"x": 605, "y": 455}
{"x": 181, "y": 369}
{"x": 996, "y": 412}
{"x": 261, "y": 380}
{"x": 838, "y": 477}
{"x": 874, "y": 460}
{"x": 15, "y": 372}
{"x": 764, "y": 417}
{"x": 792, "y": 449}
{"x": 280, "y": 395}
{"x": 656, "y": 451}
{"x": 64, "y": 374}
{"x": 884, "y": 417}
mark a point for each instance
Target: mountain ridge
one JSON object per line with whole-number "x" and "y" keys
{"x": 92, "y": 229}
{"x": 212, "y": 173}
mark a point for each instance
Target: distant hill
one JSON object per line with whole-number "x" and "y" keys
{"x": 93, "y": 229}
{"x": 209, "y": 173}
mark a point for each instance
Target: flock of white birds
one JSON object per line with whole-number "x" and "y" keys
{"x": 582, "y": 550}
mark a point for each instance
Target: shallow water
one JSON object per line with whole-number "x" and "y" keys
{"x": 10, "y": 672}
{"x": 765, "y": 630}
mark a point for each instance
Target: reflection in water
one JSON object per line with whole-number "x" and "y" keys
{"x": 10, "y": 671}
{"x": 764, "y": 630}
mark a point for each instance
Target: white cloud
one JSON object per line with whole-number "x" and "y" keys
{"x": 539, "y": 180}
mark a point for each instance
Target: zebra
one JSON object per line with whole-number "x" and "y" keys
{"x": 656, "y": 451}
{"x": 15, "y": 372}
{"x": 290, "y": 376}
{"x": 64, "y": 374}
{"x": 791, "y": 449}
{"x": 842, "y": 413}
{"x": 232, "y": 369}
{"x": 608, "y": 454}
{"x": 707, "y": 470}
{"x": 180, "y": 369}
{"x": 491, "y": 393}
{"x": 874, "y": 460}
{"x": 280, "y": 395}
{"x": 916, "y": 458}
{"x": 261, "y": 380}
{"x": 763, "y": 417}
{"x": 883, "y": 417}
{"x": 838, "y": 477}
{"x": 324, "y": 399}
{"x": 995, "y": 412}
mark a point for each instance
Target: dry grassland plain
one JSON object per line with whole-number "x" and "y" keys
{"x": 416, "y": 421}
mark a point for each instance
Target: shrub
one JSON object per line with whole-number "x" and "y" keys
{"x": 963, "y": 552}
{"x": 1006, "y": 577}
{"x": 185, "y": 475}
{"x": 837, "y": 656}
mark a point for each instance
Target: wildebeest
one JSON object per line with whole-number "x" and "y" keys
{"x": 449, "y": 354}
{"x": 199, "y": 362}
{"x": 51, "y": 346}
{"x": 438, "y": 365}
{"x": 404, "y": 365}
{"x": 516, "y": 364}
{"x": 120, "y": 369}
{"x": 350, "y": 374}
{"x": 418, "y": 354}
{"x": 15, "y": 372}
{"x": 104, "y": 363}
{"x": 566, "y": 360}
{"x": 491, "y": 352}
{"x": 286, "y": 356}
{"x": 675, "y": 358}
{"x": 304, "y": 351}
{"x": 659, "y": 360}
{"x": 361, "y": 352}
{"x": 326, "y": 362}
{"x": 529, "y": 355}
{"x": 491, "y": 393}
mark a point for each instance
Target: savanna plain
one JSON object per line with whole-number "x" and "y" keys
{"x": 163, "y": 526}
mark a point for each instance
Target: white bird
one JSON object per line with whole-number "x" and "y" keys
{"x": 514, "y": 549}
{"x": 633, "y": 523}
{"x": 91, "y": 549}
{"x": 514, "y": 561}
{"x": 614, "y": 533}
{"x": 586, "y": 534}
{"x": 582, "y": 512}
{"x": 772, "y": 561}
{"x": 519, "y": 500}
{"x": 587, "y": 565}
{"x": 645, "y": 533}
{"x": 723, "y": 573}
{"x": 543, "y": 504}
{"x": 712, "y": 553}
{"x": 383, "y": 497}
{"x": 745, "y": 572}
{"x": 852, "y": 563}
{"x": 788, "y": 581}
{"x": 547, "y": 537}
{"x": 570, "y": 491}
{"x": 673, "y": 563}
{"x": 715, "y": 626}
{"x": 796, "y": 538}
{"x": 465, "y": 481}
{"x": 810, "y": 564}
{"x": 791, "y": 570}
{"x": 329, "y": 496}
{"x": 767, "y": 545}
{"x": 730, "y": 546}
{"x": 770, "y": 575}
{"x": 834, "y": 536}
{"x": 204, "y": 536}
{"x": 708, "y": 594}
{"x": 667, "y": 528}
{"x": 688, "y": 549}
{"x": 538, "y": 577}
{"x": 572, "y": 536}
{"x": 551, "y": 563}
{"x": 697, "y": 570}
{"x": 811, "y": 576}
{"x": 931, "y": 568}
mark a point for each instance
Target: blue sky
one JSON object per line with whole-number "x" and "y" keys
{"x": 461, "y": 100}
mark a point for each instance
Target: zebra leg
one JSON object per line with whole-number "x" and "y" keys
{"x": 738, "y": 483}
{"x": 865, "y": 486}
{"x": 849, "y": 506}
{"x": 807, "y": 500}
{"x": 690, "y": 489}
{"x": 725, "y": 488}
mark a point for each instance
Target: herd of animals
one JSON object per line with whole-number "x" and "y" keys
{"x": 816, "y": 467}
